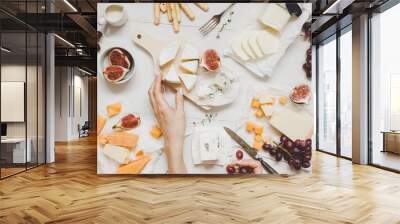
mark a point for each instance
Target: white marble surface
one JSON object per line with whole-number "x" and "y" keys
{"x": 133, "y": 94}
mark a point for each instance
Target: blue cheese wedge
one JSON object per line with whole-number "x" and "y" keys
{"x": 275, "y": 16}
{"x": 168, "y": 53}
{"x": 205, "y": 91}
{"x": 116, "y": 153}
{"x": 222, "y": 81}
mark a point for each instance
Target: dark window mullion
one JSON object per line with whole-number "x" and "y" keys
{"x": 338, "y": 98}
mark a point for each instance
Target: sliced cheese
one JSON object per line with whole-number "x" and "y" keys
{"x": 190, "y": 66}
{"x": 134, "y": 167}
{"x": 209, "y": 143}
{"x": 116, "y": 153}
{"x": 237, "y": 49}
{"x": 123, "y": 139}
{"x": 188, "y": 80}
{"x": 246, "y": 46}
{"x": 113, "y": 109}
{"x": 168, "y": 53}
{"x": 294, "y": 124}
{"x": 275, "y": 16}
{"x": 172, "y": 76}
{"x": 267, "y": 42}
{"x": 255, "y": 48}
{"x": 101, "y": 121}
{"x": 189, "y": 53}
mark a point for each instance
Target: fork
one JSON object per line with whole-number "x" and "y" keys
{"x": 213, "y": 22}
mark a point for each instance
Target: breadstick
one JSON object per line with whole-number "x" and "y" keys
{"x": 156, "y": 14}
{"x": 202, "y": 6}
{"x": 178, "y": 12}
{"x": 187, "y": 11}
{"x": 169, "y": 13}
{"x": 163, "y": 7}
{"x": 175, "y": 22}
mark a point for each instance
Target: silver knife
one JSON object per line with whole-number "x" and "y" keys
{"x": 250, "y": 150}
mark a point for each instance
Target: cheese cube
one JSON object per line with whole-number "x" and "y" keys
{"x": 259, "y": 113}
{"x": 258, "y": 130}
{"x": 266, "y": 99}
{"x": 255, "y": 103}
{"x": 275, "y": 16}
{"x": 283, "y": 100}
{"x": 249, "y": 126}
{"x": 257, "y": 145}
{"x": 156, "y": 132}
{"x": 116, "y": 153}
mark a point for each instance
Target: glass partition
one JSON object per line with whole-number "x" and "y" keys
{"x": 385, "y": 90}
{"x": 327, "y": 96}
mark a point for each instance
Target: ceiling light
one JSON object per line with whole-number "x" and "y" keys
{"x": 64, "y": 40}
{"x": 5, "y": 49}
{"x": 70, "y": 5}
{"x": 84, "y": 71}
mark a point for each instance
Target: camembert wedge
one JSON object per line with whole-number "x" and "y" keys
{"x": 168, "y": 53}
{"x": 190, "y": 66}
{"x": 188, "y": 80}
{"x": 172, "y": 76}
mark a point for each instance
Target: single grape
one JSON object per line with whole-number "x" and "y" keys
{"x": 267, "y": 147}
{"x": 272, "y": 152}
{"x": 289, "y": 144}
{"x": 239, "y": 154}
{"x": 302, "y": 144}
{"x": 297, "y": 143}
{"x": 278, "y": 156}
{"x": 307, "y": 157}
{"x": 230, "y": 169}
{"x": 309, "y": 51}
{"x": 297, "y": 164}
{"x": 305, "y": 164}
{"x": 308, "y": 142}
{"x": 308, "y": 148}
{"x": 283, "y": 138}
{"x": 296, "y": 151}
{"x": 243, "y": 170}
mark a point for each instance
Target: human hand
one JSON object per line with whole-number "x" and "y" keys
{"x": 255, "y": 165}
{"x": 172, "y": 122}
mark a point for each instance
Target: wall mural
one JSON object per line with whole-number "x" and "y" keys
{"x": 183, "y": 91}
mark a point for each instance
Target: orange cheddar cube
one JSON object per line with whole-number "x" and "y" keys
{"x": 283, "y": 100}
{"x": 259, "y": 113}
{"x": 114, "y": 109}
{"x": 156, "y": 132}
{"x": 255, "y": 103}
{"x": 258, "y": 130}
{"x": 257, "y": 145}
{"x": 139, "y": 153}
{"x": 249, "y": 126}
{"x": 258, "y": 138}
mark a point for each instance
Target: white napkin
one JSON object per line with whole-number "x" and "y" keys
{"x": 265, "y": 66}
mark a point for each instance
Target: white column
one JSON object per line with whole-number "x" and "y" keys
{"x": 360, "y": 90}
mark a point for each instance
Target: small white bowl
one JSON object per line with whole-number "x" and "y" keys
{"x": 104, "y": 63}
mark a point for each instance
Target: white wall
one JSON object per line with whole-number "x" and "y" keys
{"x": 70, "y": 83}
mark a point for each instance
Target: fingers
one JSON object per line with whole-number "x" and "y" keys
{"x": 251, "y": 163}
{"x": 158, "y": 93}
{"x": 179, "y": 100}
{"x": 152, "y": 97}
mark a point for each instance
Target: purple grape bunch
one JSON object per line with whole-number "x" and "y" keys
{"x": 296, "y": 153}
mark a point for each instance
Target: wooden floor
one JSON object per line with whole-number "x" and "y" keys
{"x": 69, "y": 191}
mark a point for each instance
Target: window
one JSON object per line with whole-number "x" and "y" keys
{"x": 346, "y": 93}
{"x": 327, "y": 96}
{"x": 385, "y": 89}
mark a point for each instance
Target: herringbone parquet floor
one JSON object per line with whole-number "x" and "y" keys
{"x": 69, "y": 191}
